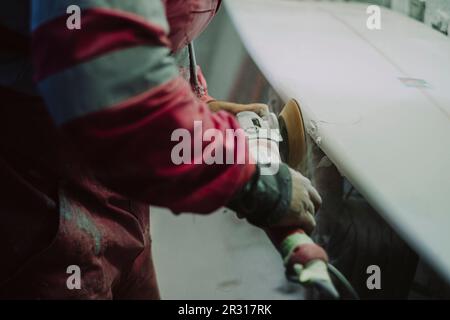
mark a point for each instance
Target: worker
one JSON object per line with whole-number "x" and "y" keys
{"x": 85, "y": 137}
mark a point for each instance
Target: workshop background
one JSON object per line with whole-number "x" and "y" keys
{"x": 219, "y": 256}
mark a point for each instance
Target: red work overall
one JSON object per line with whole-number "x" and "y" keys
{"x": 59, "y": 209}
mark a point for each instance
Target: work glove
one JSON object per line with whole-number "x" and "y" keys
{"x": 285, "y": 199}
{"x": 306, "y": 263}
{"x": 234, "y": 108}
{"x": 304, "y": 203}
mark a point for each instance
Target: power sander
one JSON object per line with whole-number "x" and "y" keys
{"x": 271, "y": 140}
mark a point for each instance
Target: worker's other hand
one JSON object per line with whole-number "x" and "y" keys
{"x": 305, "y": 202}
{"x": 306, "y": 263}
{"x": 234, "y": 108}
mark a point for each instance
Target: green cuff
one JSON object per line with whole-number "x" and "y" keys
{"x": 265, "y": 199}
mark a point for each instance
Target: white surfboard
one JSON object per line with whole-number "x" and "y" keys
{"x": 377, "y": 102}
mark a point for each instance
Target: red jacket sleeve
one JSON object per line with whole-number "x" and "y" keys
{"x": 113, "y": 88}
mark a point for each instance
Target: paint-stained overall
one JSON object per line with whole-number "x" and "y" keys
{"x": 86, "y": 119}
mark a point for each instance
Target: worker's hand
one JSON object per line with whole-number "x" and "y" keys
{"x": 305, "y": 201}
{"x": 306, "y": 263}
{"x": 285, "y": 199}
{"x": 234, "y": 108}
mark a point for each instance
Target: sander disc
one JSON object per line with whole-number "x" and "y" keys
{"x": 293, "y": 147}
